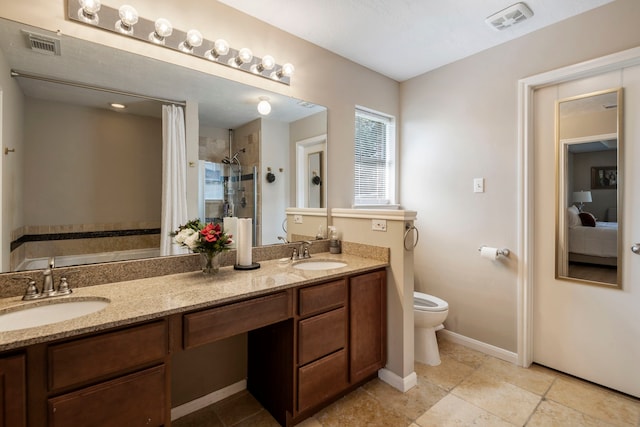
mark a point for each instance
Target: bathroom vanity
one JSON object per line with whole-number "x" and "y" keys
{"x": 312, "y": 337}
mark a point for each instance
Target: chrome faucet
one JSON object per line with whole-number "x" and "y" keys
{"x": 47, "y": 279}
{"x": 305, "y": 249}
{"x": 48, "y": 289}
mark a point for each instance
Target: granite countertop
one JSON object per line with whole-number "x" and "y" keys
{"x": 151, "y": 298}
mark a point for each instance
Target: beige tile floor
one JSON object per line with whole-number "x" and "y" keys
{"x": 467, "y": 389}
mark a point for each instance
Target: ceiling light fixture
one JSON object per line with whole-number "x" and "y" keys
{"x": 160, "y": 32}
{"x": 264, "y": 107}
{"x": 128, "y": 18}
{"x": 118, "y": 106}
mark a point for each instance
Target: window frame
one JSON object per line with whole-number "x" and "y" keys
{"x": 390, "y": 167}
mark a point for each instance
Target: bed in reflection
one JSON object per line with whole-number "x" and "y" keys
{"x": 591, "y": 241}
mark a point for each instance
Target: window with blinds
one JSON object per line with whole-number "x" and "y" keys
{"x": 374, "y": 158}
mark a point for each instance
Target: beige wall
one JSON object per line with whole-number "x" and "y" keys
{"x": 107, "y": 166}
{"x": 600, "y": 123}
{"x": 459, "y": 122}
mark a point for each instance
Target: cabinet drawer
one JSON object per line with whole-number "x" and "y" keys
{"x": 321, "y": 335}
{"x": 214, "y": 324}
{"x": 322, "y": 379}
{"x": 316, "y": 299}
{"x": 98, "y": 357}
{"x": 134, "y": 400}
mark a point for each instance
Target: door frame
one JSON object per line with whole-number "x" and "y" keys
{"x": 526, "y": 88}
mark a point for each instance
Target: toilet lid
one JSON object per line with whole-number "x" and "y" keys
{"x": 427, "y": 302}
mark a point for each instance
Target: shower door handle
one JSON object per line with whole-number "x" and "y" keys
{"x": 636, "y": 249}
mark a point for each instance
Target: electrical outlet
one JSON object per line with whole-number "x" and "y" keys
{"x": 297, "y": 219}
{"x": 379, "y": 224}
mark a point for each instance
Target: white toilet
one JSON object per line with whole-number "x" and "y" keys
{"x": 429, "y": 312}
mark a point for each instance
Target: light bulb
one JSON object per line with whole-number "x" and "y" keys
{"x": 128, "y": 18}
{"x": 264, "y": 107}
{"x": 220, "y": 48}
{"x": 163, "y": 29}
{"x": 194, "y": 39}
{"x": 286, "y": 71}
{"x": 267, "y": 63}
{"x": 244, "y": 55}
{"x": 88, "y": 11}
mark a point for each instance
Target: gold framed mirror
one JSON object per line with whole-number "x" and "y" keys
{"x": 589, "y": 174}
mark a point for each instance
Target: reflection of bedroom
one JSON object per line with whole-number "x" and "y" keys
{"x": 593, "y": 228}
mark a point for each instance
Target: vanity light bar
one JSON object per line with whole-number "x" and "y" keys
{"x": 160, "y": 33}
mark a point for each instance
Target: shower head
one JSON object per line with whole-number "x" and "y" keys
{"x": 233, "y": 159}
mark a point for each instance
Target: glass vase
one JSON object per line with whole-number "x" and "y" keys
{"x": 210, "y": 262}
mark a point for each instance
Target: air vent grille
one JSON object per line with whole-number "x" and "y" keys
{"x": 510, "y": 16}
{"x": 43, "y": 44}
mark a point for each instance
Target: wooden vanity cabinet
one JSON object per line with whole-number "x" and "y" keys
{"x": 341, "y": 338}
{"x": 367, "y": 324}
{"x": 110, "y": 379}
{"x": 13, "y": 399}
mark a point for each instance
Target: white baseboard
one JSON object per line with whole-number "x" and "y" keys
{"x": 397, "y": 382}
{"x": 480, "y": 346}
{"x": 209, "y": 399}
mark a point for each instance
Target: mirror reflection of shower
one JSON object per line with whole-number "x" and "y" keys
{"x": 228, "y": 192}
{"x": 234, "y": 185}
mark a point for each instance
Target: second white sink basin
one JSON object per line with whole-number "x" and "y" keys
{"x": 319, "y": 265}
{"x": 46, "y": 312}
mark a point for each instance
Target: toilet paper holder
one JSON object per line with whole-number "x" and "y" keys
{"x": 504, "y": 252}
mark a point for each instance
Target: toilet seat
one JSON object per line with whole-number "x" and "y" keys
{"x": 426, "y": 302}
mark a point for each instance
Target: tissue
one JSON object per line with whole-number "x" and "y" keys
{"x": 489, "y": 252}
{"x": 243, "y": 242}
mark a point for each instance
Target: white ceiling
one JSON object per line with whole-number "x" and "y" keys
{"x": 405, "y": 38}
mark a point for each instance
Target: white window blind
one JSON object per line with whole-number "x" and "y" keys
{"x": 374, "y": 158}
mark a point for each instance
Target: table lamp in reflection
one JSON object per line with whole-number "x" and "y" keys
{"x": 581, "y": 197}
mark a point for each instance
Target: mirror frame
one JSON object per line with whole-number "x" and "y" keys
{"x": 562, "y": 182}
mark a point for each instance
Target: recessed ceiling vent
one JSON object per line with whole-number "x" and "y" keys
{"x": 510, "y": 16}
{"x": 43, "y": 44}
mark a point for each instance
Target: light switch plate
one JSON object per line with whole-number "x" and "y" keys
{"x": 379, "y": 224}
{"x": 478, "y": 185}
{"x": 297, "y": 219}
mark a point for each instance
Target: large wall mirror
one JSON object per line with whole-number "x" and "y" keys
{"x": 589, "y": 188}
{"x": 82, "y": 181}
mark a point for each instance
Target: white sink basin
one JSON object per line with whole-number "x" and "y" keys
{"x": 319, "y": 265}
{"x": 46, "y": 312}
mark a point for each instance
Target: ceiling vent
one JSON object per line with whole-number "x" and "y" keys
{"x": 43, "y": 44}
{"x": 510, "y": 16}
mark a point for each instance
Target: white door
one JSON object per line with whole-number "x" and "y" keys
{"x": 592, "y": 332}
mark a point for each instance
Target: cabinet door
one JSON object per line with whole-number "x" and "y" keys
{"x": 367, "y": 324}
{"x": 134, "y": 400}
{"x": 12, "y": 391}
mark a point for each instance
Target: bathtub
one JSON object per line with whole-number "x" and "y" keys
{"x": 68, "y": 260}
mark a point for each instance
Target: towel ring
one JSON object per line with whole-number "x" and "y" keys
{"x": 408, "y": 228}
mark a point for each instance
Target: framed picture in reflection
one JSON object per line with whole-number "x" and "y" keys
{"x": 604, "y": 177}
